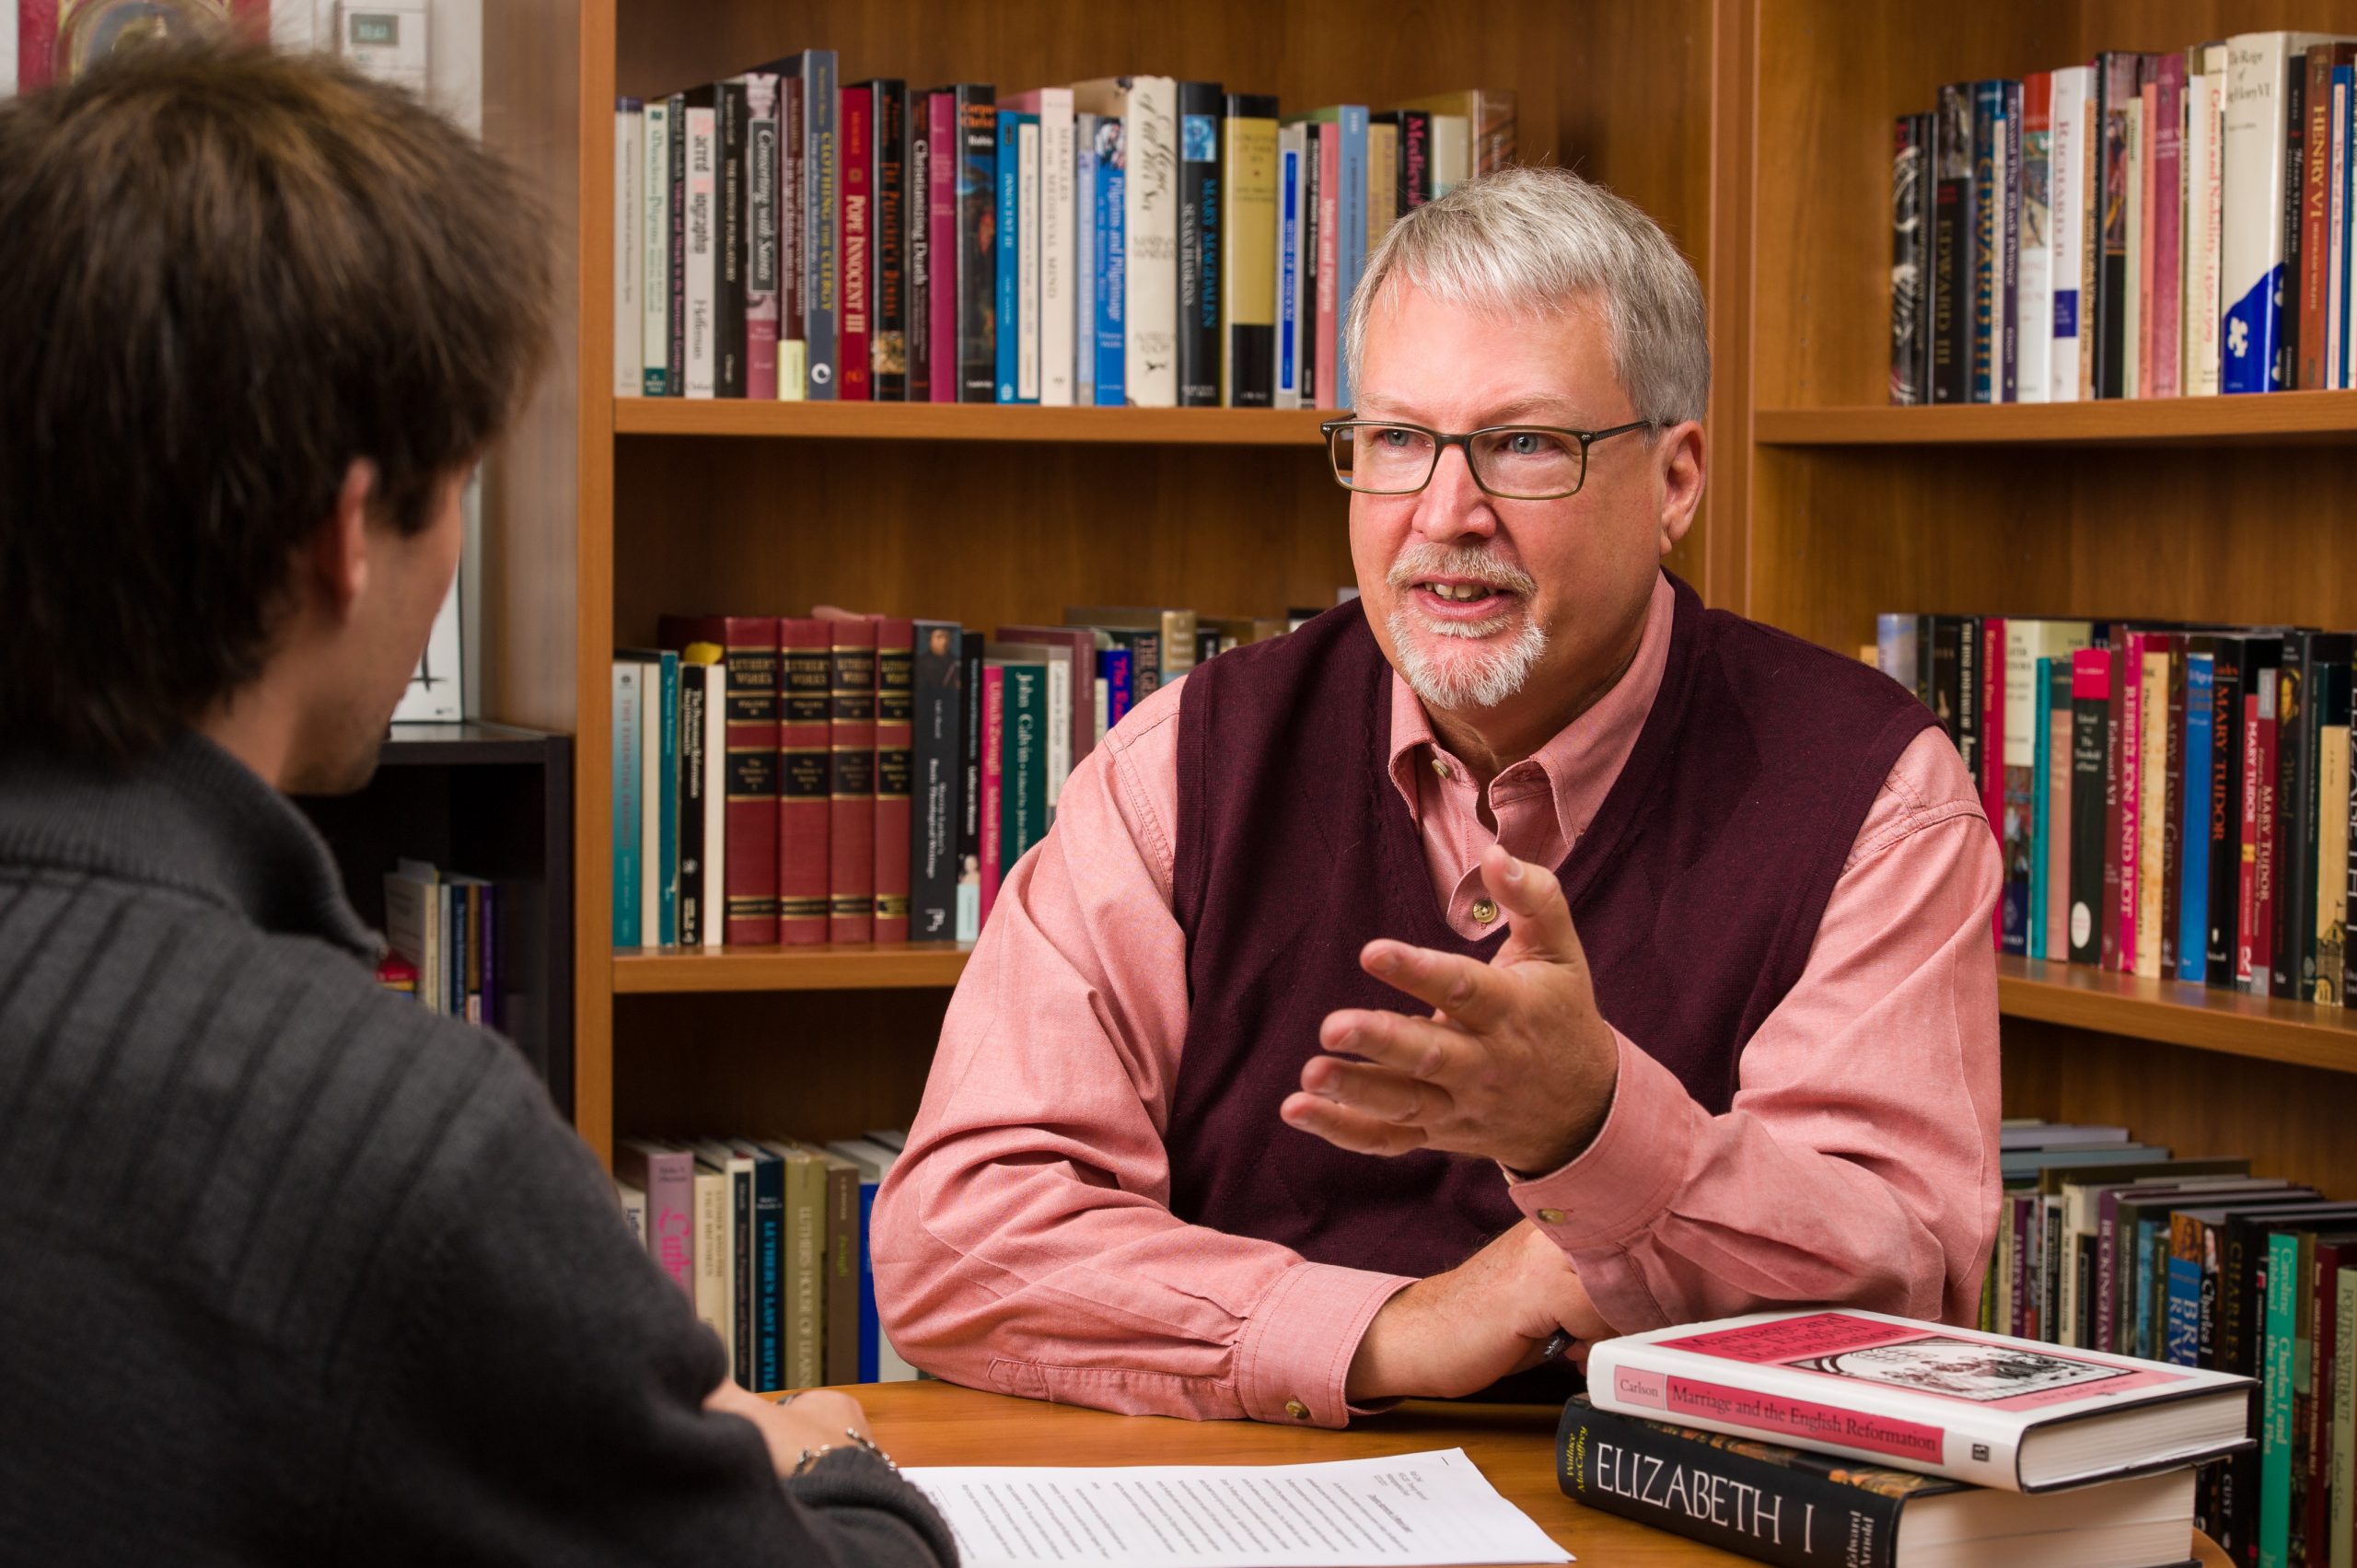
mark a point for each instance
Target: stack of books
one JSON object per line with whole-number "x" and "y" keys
{"x": 1130, "y": 240}
{"x": 2172, "y": 801}
{"x": 443, "y": 942}
{"x": 1835, "y": 1437}
{"x": 2143, "y": 226}
{"x": 863, "y": 779}
{"x": 768, "y": 1237}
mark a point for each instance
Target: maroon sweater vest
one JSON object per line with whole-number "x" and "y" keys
{"x": 1697, "y": 891}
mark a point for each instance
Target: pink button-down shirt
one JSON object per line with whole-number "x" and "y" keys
{"x": 1025, "y": 1241}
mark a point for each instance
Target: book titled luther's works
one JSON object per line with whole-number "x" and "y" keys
{"x": 1990, "y": 1409}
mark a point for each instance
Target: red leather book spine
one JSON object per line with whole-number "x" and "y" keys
{"x": 851, "y": 825}
{"x": 806, "y": 780}
{"x": 994, "y": 775}
{"x": 895, "y": 737}
{"x": 749, "y": 689}
{"x": 858, "y": 248}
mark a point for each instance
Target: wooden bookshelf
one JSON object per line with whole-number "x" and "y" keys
{"x": 890, "y": 966}
{"x": 2176, "y": 1013}
{"x": 970, "y": 422}
{"x": 2278, "y": 419}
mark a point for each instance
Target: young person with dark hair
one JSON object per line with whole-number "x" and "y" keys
{"x": 290, "y": 1269}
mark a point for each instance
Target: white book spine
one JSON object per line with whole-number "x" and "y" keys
{"x": 2251, "y": 287}
{"x": 630, "y": 248}
{"x": 2198, "y": 315}
{"x": 1060, "y": 700}
{"x": 716, "y": 1281}
{"x": 1084, "y": 251}
{"x": 1028, "y": 345}
{"x": 2334, "y": 302}
{"x": 702, "y": 252}
{"x": 2138, "y": 289}
{"x": 2034, "y": 295}
{"x": 1150, "y": 208}
{"x": 715, "y": 810}
{"x": 1452, "y": 153}
{"x": 2066, "y": 160}
{"x": 1058, "y": 258}
{"x": 1287, "y": 393}
{"x": 655, "y": 235}
{"x": 7, "y": 49}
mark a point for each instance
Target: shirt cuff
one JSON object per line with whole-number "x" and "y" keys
{"x": 1622, "y": 1182}
{"x": 1294, "y": 1360}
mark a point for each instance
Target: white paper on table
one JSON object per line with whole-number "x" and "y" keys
{"x": 1409, "y": 1509}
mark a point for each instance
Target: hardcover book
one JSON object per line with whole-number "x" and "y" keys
{"x": 822, "y": 197}
{"x": 655, "y": 232}
{"x": 750, "y": 662}
{"x": 1910, "y": 149}
{"x": 1202, "y": 107}
{"x": 806, "y": 779}
{"x": 888, "y": 296}
{"x": 1147, "y": 109}
{"x": 854, "y": 369}
{"x": 732, "y": 115}
{"x": 947, "y": 142}
{"x": 1247, "y": 240}
{"x": 977, "y": 247}
{"x": 937, "y": 782}
{"x": 851, "y": 860}
{"x": 895, "y": 737}
{"x": 1955, "y": 220}
{"x": 762, "y": 263}
{"x": 701, "y": 220}
{"x": 1056, "y": 225}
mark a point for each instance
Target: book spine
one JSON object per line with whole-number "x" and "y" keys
{"x": 1201, "y": 111}
{"x": 2265, "y": 759}
{"x": 2195, "y": 834}
{"x": 823, "y": 240}
{"x": 2251, "y": 228}
{"x": 793, "y": 233}
{"x": 675, "y": 225}
{"x": 2090, "y": 697}
{"x": 1988, "y": 241}
{"x": 888, "y": 243}
{"x": 714, "y": 920}
{"x": 743, "y": 1270}
{"x": 2151, "y": 784}
{"x": 763, "y": 164}
{"x": 630, "y": 726}
{"x": 806, "y": 1224}
{"x": 769, "y": 1272}
{"x": 2108, "y": 242}
{"x": 851, "y": 828}
{"x": 1313, "y": 180}
{"x": 1057, "y": 258}
{"x": 2168, "y": 227}
{"x": 1028, "y": 206}
{"x": 1908, "y": 273}
{"x": 1992, "y": 765}
{"x": 935, "y": 776}
{"x": 941, "y": 211}
{"x": 2034, "y": 309}
{"x": 1350, "y": 242}
{"x": 704, "y": 260}
{"x": 1286, "y": 371}
{"x": 663, "y": 755}
{"x": 2116, "y": 746}
{"x": 2171, "y": 823}
{"x": 1084, "y": 247}
{"x": 732, "y": 115}
{"x": 2224, "y": 936}
{"x": 1745, "y": 1503}
{"x": 971, "y": 753}
{"x": 1248, "y": 253}
{"x": 2342, "y": 1507}
{"x": 2143, "y": 114}
{"x": 2055, "y": 890}
{"x": 806, "y": 780}
{"x": 1112, "y": 285}
{"x": 2295, "y": 848}
{"x": 2009, "y": 241}
{"x": 1023, "y": 812}
{"x": 994, "y": 747}
{"x": 2205, "y": 309}
{"x": 2275, "y": 1400}
{"x": 2316, "y": 173}
{"x": 667, "y": 1176}
{"x": 1007, "y": 315}
{"x": 978, "y": 304}
{"x": 711, "y": 1252}
{"x": 2041, "y": 809}
{"x": 2294, "y": 131}
{"x": 854, "y": 371}
{"x": 1954, "y": 212}
{"x": 1150, "y": 369}
{"x": 655, "y": 267}
{"x": 2335, "y": 375}
{"x": 752, "y": 689}
{"x": 918, "y": 245}
{"x": 630, "y": 245}
{"x": 895, "y": 739}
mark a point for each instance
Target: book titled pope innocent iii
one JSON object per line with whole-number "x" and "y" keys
{"x": 1989, "y": 1409}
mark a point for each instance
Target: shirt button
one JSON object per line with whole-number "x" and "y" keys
{"x": 1551, "y": 1217}
{"x": 1484, "y": 912}
{"x": 1440, "y": 768}
{"x": 1297, "y": 1409}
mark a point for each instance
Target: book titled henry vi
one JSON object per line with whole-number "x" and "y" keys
{"x": 1800, "y": 1509}
{"x": 1984, "y": 1408}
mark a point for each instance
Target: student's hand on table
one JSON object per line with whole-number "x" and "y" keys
{"x": 821, "y": 1419}
{"x": 1515, "y": 1064}
{"x": 1458, "y": 1332}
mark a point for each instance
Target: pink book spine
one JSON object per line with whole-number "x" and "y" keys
{"x": 2132, "y": 779}
{"x": 1993, "y": 745}
{"x": 2246, "y": 887}
{"x": 2148, "y": 262}
{"x": 994, "y": 739}
{"x": 2168, "y": 231}
{"x": 941, "y": 218}
{"x": 1329, "y": 219}
{"x": 762, "y": 248}
{"x": 668, "y": 1177}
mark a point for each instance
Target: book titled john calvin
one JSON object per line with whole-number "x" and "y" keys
{"x": 1996, "y": 1410}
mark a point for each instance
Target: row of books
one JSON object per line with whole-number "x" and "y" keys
{"x": 2111, "y": 1245}
{"x": 2144, "y": 225}
{"x": 861, "y": 779}
{"x": 768, "y": 1237}
{"x": 1127, "y": 241}
{"x": 2173, "y": 802}
{"x": 443, "y": 943}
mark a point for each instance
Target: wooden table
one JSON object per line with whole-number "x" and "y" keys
{"x": 940, "y": 1423}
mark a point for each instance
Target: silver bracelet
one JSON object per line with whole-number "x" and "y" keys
{"x": 858, "y": 1440}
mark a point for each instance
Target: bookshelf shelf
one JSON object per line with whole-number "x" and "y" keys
{"x": 2174, "y": 1013}
{"x": 968, "y": 422}
{"x": 898, "y": 966}
{"x": 2276, "y": 418}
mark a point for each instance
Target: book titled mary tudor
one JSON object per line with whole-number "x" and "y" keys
{"x": 1984, "y": 1408}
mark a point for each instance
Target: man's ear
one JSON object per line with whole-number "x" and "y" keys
{"x": 1681, "y": 490}
{"x": 336, "y": 560}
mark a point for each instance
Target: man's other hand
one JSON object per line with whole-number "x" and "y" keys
{"x": 1458, "y": 1332}
{"x": 1515, "y": 1063}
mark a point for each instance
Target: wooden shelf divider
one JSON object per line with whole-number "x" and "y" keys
{"x": 2177, "y": 1012}
{"x": 2272, "y": 418}
{"x": 970, "y": 422}
{"x": 897, "y": 965}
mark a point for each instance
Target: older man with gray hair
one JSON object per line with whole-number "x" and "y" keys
{"x": 1519, "y": 953}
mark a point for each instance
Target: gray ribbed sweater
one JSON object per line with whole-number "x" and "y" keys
{"x": 293, "y": 1271}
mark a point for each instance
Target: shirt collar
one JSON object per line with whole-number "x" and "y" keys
{"x": 190, "y": 817}
{"x": 1579, "y": 763}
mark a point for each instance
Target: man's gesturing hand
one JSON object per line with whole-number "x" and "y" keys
{"x": 1515, "y": 1063}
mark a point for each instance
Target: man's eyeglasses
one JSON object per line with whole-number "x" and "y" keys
{"x": 1512, "y": 462}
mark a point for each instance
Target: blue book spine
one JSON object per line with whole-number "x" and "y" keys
{"x": 1987, "y": 114}
{"x": 2193, "y": 839}
{"x": 769, "y": 1277}
{"x": 666, "y": 892}
{"x": 1288, "y": 270}
{"x": 871, "y": 1327}
{"x": 1083, "y": 294}
{"x": 2040, "y": 806}
{"x": 630, "y": 728}
{"x": 1010, "y": 323}
{"x": 2184, "y": 1313}
{"x": 1349, "y": 251}
{"x": 1112, "y": 264}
